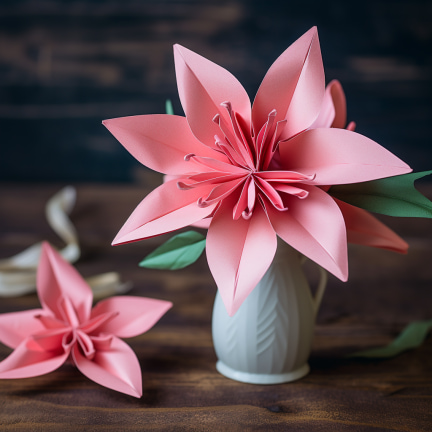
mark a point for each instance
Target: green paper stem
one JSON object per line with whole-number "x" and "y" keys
{"x": 412, "y": 336}
{"x": 176, "y": 253}
{"x": 392, "y": 196}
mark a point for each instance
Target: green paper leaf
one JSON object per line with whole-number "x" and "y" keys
{"x": 168, "y": 107}
{"x": 412, "y": 336}
{"x": 178, "y": 252}
{"x": 392, "y": 196}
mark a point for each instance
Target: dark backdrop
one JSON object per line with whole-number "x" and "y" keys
{"x": 66, "y": 65}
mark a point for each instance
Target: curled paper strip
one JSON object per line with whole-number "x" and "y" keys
{"x": 107, "y": 284}
{"x": 18, "y": 273}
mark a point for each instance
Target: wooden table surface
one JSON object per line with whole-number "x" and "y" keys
{"x": 182, "y": 391}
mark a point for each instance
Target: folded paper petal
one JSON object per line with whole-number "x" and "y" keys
{"x": 58, "y": 339}
{"x": 136, "y": 315}
{"x": 16, "y": 326}
{"x": 339, "y": 156}
{"x": 294, "y": 86}
{"x": 164, "y": 210}
{"x": 29, "y": 361}
{"x": 115, "y": 367}
{"x": 204, "y": 223}
{"x": 159, "y": 142}
{"x": 239, "y": 252}
{"x": 315, "y": 227}
{"x": 339, "y": 102}
{"x": 56, "y": 279}
{"x": 365, "y": 229}
{"x": 333, "y": 108}
{"x": 203, "y": 86}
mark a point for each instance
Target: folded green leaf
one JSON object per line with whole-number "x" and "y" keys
{"x": 412, "y": 336}
{"x": 168, "y": 107}
{"x": 178, "y": 252}
{"x": 392, "y": 196}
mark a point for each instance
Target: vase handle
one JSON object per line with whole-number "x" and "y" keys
{"x": 321, "y": 287}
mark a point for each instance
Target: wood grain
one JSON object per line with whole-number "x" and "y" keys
{"x": 182, "y": 389}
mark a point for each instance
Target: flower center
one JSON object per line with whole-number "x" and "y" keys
{"x": 67, "y": 326}
{"x": 248, "y": 168}
{"x": 76, "y": 335}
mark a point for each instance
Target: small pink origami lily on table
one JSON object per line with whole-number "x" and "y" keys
{"x": 68, "y": 328}
{"x": 258, "y": 172}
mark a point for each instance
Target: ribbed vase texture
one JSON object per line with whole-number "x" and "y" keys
{"x": 271, "y": 333}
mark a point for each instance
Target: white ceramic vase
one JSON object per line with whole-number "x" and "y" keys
{"x": 268, "y": 340}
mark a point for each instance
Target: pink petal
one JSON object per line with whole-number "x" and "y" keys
{"x": 365, "y": 229}
{"x": 59, "y": 339}
{"x": 56, "y": 279}
{"x": 245, "y": 196}
{"x": 351, "y": 126}
{"x": 135, "y": 316}
{"x": 116, "y": 367}
{"x": 95, "y": 323}
{"x": 219, "y": 192}
{"x": 294, "y": 86}
{"x": 338, "y": 156}
{"x": 214, "y": 165}
{"x": 291, "y": 190}
{"x": 28, "y": 361}
{"x": 211, "y": 176}
{"x": 206, "y": 179}
{"x": 164, "y": 210}
{"x": 203, "y": 86}
{"x": 204, "y": 223}
{"x": 272, "y": 195}
{"x": 242, "y": 146}
{"x": 339, "y": 102}
{"x": 315, "y": 227}
{"x": 327, "y": 112}
{"x": 17, "y": 326}
{"x": 333, "y": 108}
{"x": 239, "y": 252}
{"x": 284, "y": 176}
{"x": 159, "y": 142}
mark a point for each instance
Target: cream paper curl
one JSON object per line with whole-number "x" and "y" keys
{"x": 18, "y": 273}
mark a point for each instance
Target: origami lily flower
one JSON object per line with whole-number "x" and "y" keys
{"x": 66, "y": 327}
{"x": 257, "y": 172}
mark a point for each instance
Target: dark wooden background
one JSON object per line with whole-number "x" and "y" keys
{"x": 66, "y": 65}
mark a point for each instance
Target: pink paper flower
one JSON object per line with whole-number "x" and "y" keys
{"x": 68, "y": 328}
{"x": 258, "y": 172}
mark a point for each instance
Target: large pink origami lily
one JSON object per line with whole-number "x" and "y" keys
{"x": 68, "y": 328}
{"x": 257, "y": 172}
